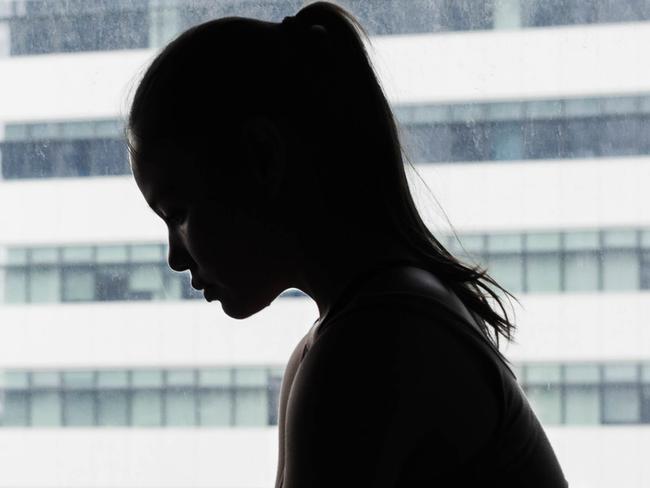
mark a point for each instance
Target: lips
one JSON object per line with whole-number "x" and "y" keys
{"x": 210, "y": 293}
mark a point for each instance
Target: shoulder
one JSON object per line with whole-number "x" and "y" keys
{"x": 408, "y": 326}
{"x": 391, "y": 363}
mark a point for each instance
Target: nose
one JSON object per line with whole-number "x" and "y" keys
{"x": 178, "y": 257}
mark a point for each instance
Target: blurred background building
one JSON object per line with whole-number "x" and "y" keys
{"x": 528, "y": 120}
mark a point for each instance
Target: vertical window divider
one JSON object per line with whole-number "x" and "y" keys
{"x": 562, "y": 252}
{"x": 29, "y": 395}
{"x": 164, "y": 388}
{"x": 95, "y": 390}
{"x": 563, "y": 388}
{"x": 600, "y": 260}
{"x": 601, "y": 394}
{"x": 129, "y": 397}
{"x": 524, "y": 262}
{"x": 195, "y": 397}
{"x": 61, "y": 394}
{"x": 233, "y": 398}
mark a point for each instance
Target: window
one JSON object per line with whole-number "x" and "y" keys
{"x": 91, "y": 273}
{"x": 63, "y": 149}
{"x": 529, "y": 120}
{"x": 569, "y": 128}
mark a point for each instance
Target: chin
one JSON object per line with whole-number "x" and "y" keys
{"x": 242, "y": 309}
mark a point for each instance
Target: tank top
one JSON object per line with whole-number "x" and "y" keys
{"x": 519, "y": 454}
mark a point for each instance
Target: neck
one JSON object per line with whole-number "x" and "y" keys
{"x": 327, "y": 276}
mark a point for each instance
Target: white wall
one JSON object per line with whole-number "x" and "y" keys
{"x": 591, "y": 457}
{"x": 551, "y": 62}
{"x": 603, "y": 456}
{"x": 242, "y": 457}
{"x": 551, "y": 328}
{"x": 476, "y": 196}
{"x": 157, "y": 334}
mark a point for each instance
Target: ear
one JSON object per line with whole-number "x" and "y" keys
{"x": 264, "y": 153}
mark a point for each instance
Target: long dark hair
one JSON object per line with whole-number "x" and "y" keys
{"x": 323, "y": 77}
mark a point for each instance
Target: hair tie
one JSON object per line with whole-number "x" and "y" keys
{"x": 291, "y": 23}
{"x": 294, "y": 25}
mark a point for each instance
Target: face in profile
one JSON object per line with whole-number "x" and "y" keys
{"x": 217, "y": 231}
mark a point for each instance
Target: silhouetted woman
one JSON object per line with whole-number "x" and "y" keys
{"x": 272, "y": 155}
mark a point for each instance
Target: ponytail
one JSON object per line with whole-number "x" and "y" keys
{"x": 385, "y": 157}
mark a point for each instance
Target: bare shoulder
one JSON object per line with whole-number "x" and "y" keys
{"x": 373, "y": 388}
{"x": 394, "y": 349}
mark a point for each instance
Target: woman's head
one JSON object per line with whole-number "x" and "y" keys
{"x": 260, "y": 135}
{"x": 274, "y": 146}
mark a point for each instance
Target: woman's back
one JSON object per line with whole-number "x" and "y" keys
{"x": 399, "y": 388}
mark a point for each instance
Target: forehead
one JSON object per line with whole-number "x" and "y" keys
{"x": 166, "y": 168}
{"x": 159, "y": 182}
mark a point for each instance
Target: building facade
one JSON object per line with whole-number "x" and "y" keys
{"x": 528, "y": 121}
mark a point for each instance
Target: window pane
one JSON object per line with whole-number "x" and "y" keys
{"x": 152, "y": 253}
{"x": 619, "y": 238}
{"x": 112, "y": 379}
{"x": 275, "y": 383}
{"x": 79, "y": 379}
{"x": 44, "y": 255}
{"x": 180, "y": 377}
{"x": 16, "y": 379}
{"x": 17, "y": 256}
{"x": 15, "y": 409}
{"x": 645, "y": 372}
{"x": 77, "y": 254}
{"x": 507, "y": 270}
{"x": 112, "y": 407}
{"x": 147, "y": 408}
{"x": 645, "y": 404}
{"x": 579, "y": 240}
{"x": 620, "y": 372}
{"x": 582, "y": 404}
{"x": 46, "y": 408}
{"x": 45, "y": 378}
{"x": 78, "y": 283}
{"x": 645, "y": 270}
{"x": 543, "y": 273}
{"x": 543, "y": 241}
{"x": 582, "y": 373}
{"x": 645, "y": 238}
{"x": 581, "y": 272}
{"x": 507, "y": 141}
{"x": 112, "y": 254}
{"x": 16, "y": 285}
{"x": 543, "y": 373}
{"x": 45, "y": 285}
{"x": 251, "y": 407}
{"x": 621, "y": 404}
{"x": 545, "y": 402}
{"x": 215, "y": 377}
{"x": 250, "y": 376}
{"x": 504, "y": 243}
{"x": 145, "y": 283}
{"x": 112, "y": 282}
{"x": 621, "y": 270}
{"x": 79, "y": 408}
{"x": 147, "y": 378}
{"x": 173, "y": 285}
{"x": 215, "y": 407}
{"x": 181, "y": 408}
